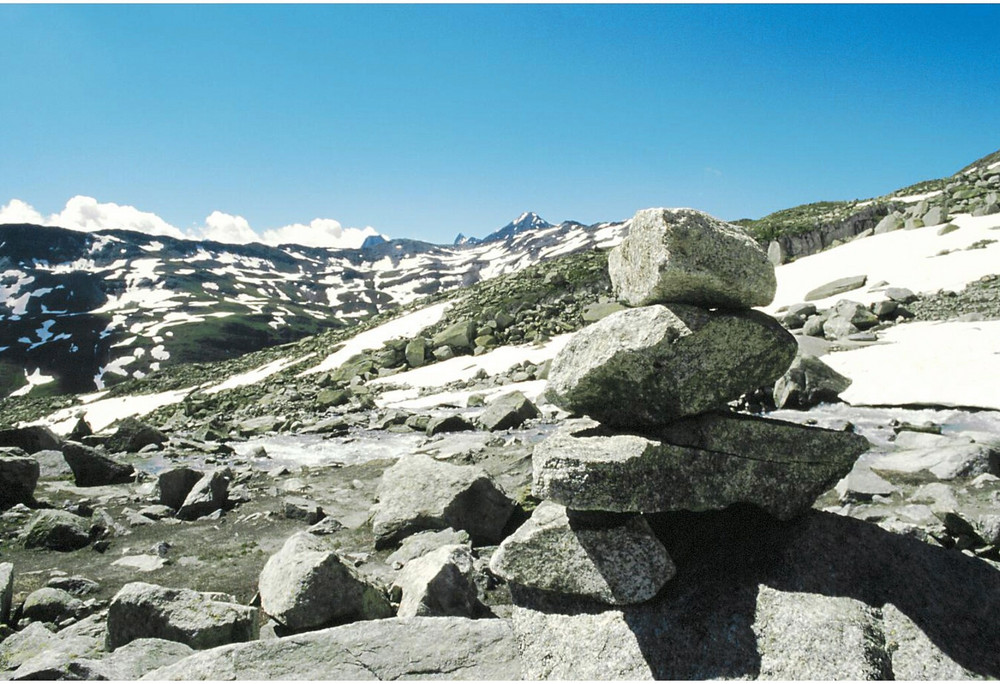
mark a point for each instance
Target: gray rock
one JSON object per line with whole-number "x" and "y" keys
{"x": 775, "y": 253}
{"x": 141, "y": 610}
{"x": 174, "y": 485}
{"x": 32, "y": 438}
{"x": 820, "y": 597}
{"x": 885, "y": 309}
{"x": 935, "y": 216}
{"x": 944, "y": 462}
{"x": 888, "y": 224}
{"x": 36, "y": 653}
{"x": 808, "y": 382}
{"x": 438, "y": 583}
{"x": 649, "y": 366}
{"x": 306, "y": 585}
{"x": 56, "y": 530}
{"x": 419, "y": 493}
{"x": 444, "y": 353}
{"x": 836, "y": 328}
{"x": 813, "y": 637}
{"x": 457, "y": 336}
{"x": 132, "y": 435}
{"x": 131, "y": 661}
{"x": 598, "y": 310}
{"x": 52, "y": 464}
{"x": 92, "y": 469}
{"x": 683, "y": 255}
{"x": 297, "y": 508}
{"x": 861, "y": 484}
{"x": 422, "y": 543}
{"x": 209, "y": 494}
{"x": 416, "y": 350}
{"x": 836, "y": 287}
{"x": 442, "y": 424}
{"x": 900, "y": 294}
{"x": 612, "y": 560}
{"x": 814, "y": 326}
{"x": 447, "y": 648}
{"x": 6, "y": 591}
{"x": 50, "y": 605}
{"x": 703, "y": 463}
{"x": 325, "y": 527}
{"x": 507, "y": 412}
{"x": 858, "y": 314}
{"x": 157, "y": 512}
{"x": 18, "y": 477}
{"x": 75, "y": 585}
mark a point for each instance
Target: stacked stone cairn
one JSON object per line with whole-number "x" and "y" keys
{"x": 654, "y": 381}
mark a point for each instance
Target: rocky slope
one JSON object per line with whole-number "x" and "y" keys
{"x": 386, "y": 463}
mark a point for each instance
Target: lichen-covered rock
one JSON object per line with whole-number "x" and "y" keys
{"x": 438, "y": 583}
{"x": 703, "y": 463}
{"x": 306, "y": 585}
{"x": 56, "y": 530}
{"x": 683, "y": 255}
{"x": 93, "y": 469}
{"x": 18, "y": 477}
{"x": 140, "y": 610}
{"x": 419, "y": 493}
{"x": 50, "y": 605}
{"x": 6, "y": 591}
{"x": 652, "y": 365}
{"x": 613, "y": 559}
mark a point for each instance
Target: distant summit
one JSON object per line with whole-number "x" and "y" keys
{"x": 529, "y": 220}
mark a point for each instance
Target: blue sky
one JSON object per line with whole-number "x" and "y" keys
{"x": 424, "y": 121}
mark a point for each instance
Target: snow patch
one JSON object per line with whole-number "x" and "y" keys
{"x": 34, "y": 380}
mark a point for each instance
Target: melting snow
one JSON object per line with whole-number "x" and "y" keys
{"x": 34, "y": 380}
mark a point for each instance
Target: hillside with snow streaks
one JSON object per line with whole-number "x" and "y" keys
{"x": 83, "y": 311}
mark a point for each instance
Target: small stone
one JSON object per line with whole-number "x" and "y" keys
{"x": 508, "y": 412}
{"x": 438, "y": 583}
{"x": 836, "y": 287}
{"x": 422, "y": 543}
{"x": 50, "y": 605}
{"x": 453, "y": 423}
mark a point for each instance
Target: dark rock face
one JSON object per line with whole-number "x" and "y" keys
{"x": 808, "y": 382}
{"x": 18, "y": 477}
{"x": 703, "y": 463}
{"x": 175, "y": 484}
{"x": 31, "y": 439}
{"x": 209, "y": 494}
{"x": 645, "y": 367}
{"x": 92, "y": 469}
{"x": 132, "y": 435}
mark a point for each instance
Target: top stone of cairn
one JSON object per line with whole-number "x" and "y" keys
{"x": 687, "y": 256}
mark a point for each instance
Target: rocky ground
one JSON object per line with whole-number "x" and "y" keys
{"x": 118, "y": 563}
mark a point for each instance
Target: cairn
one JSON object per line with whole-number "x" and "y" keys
{"x": 654, "y": 381}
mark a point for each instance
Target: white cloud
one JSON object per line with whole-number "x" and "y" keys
{"x": 227, "y": 228}
{"x": 88, "y": 215}
{"x": 319, "y": 233}
{"x": 17, "y": 211}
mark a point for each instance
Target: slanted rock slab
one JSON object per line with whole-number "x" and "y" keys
{"x": 808, "y": 382}
{"x": 93, "y": 469}
{"x": 617, "y": 560}
{"x": 448, "y": 648}
{"x": 132, "y": 435}
{"x": 208, "y": 495}
{"x": 306, "y": 585}
{"x": 683, "y": 255}
{"x": 141, "y": 610}
{"x": 836, "y": 287}
{"x": 646, "y": 367}
{"x": 419, "y": 493}
{"x": 698, "y": 464}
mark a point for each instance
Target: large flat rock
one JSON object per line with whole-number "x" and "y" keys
{"x": 397, "y": 648}
{"x": 698, "y": 464}
{"x": 648, "y": 366}
{"x": 684, "y": 255}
